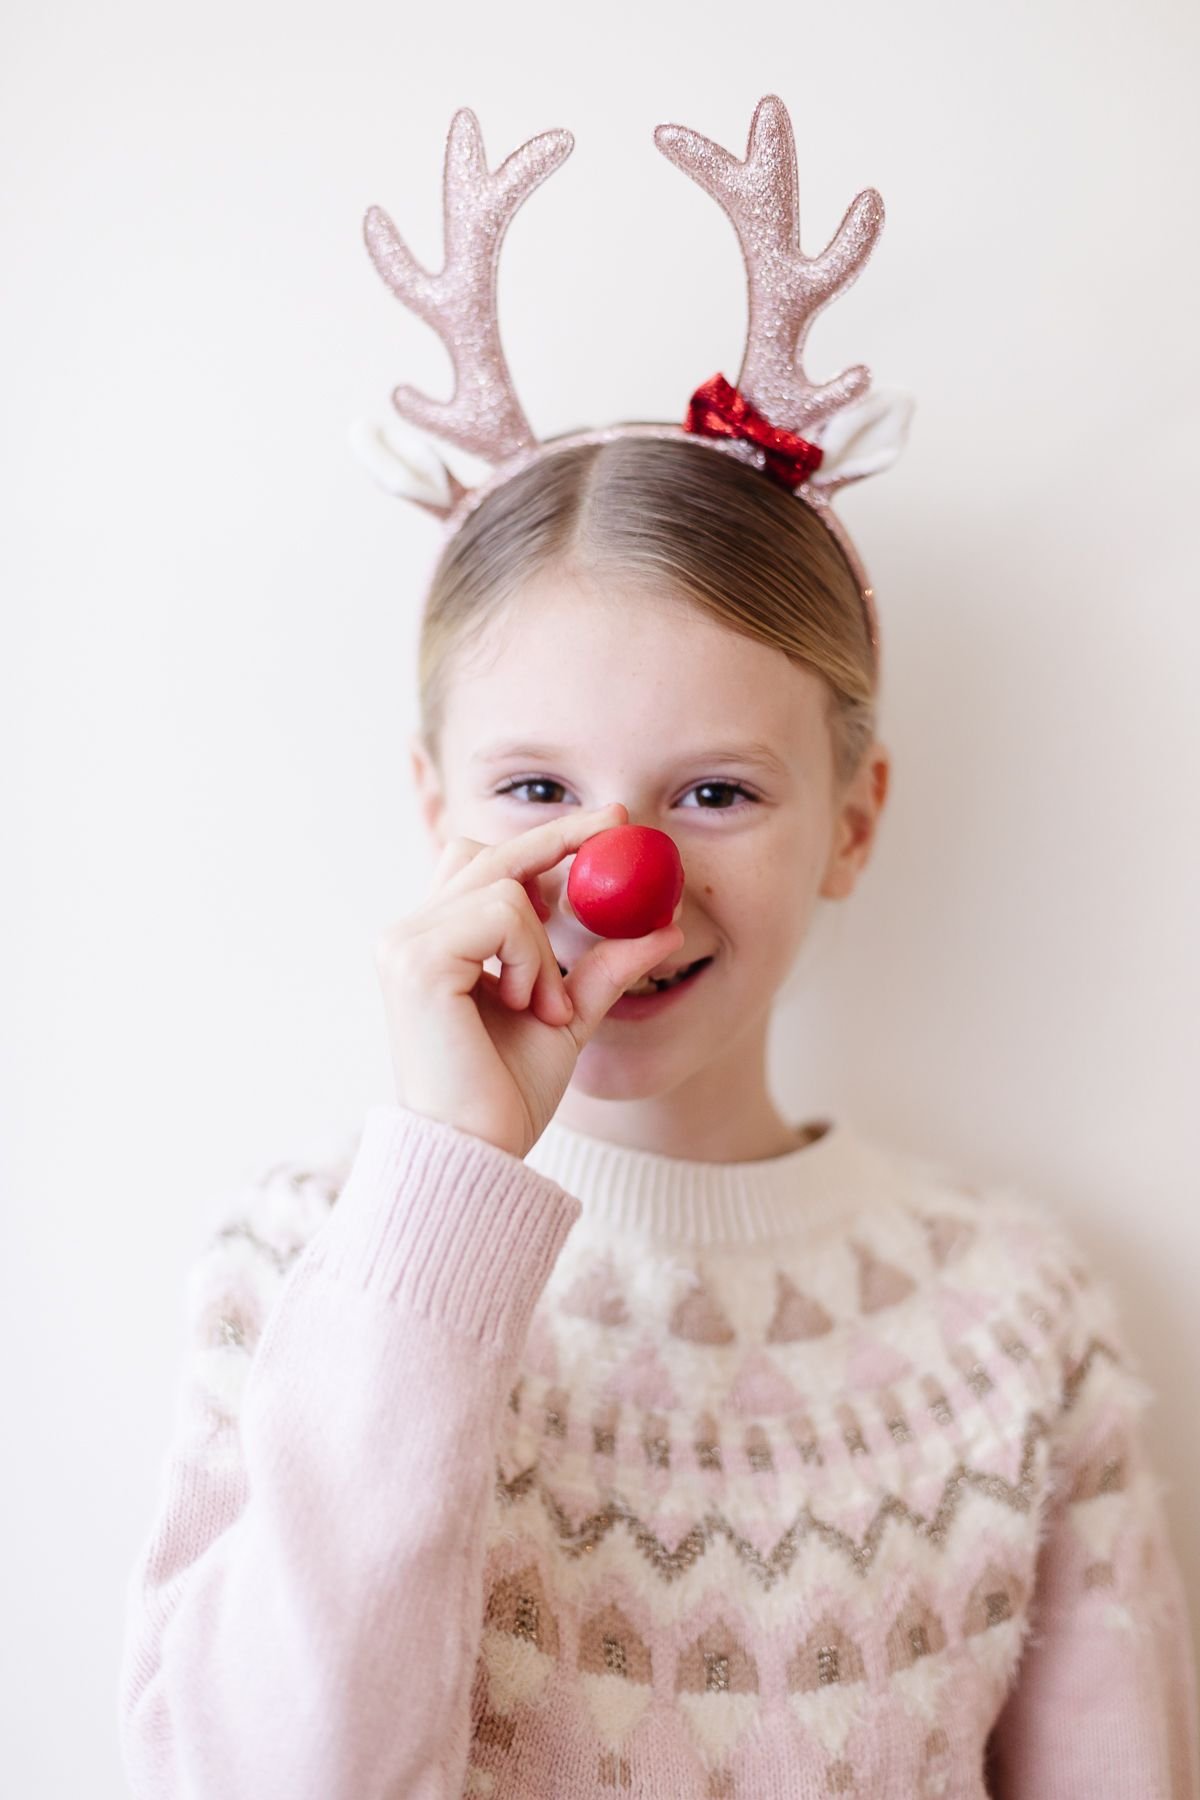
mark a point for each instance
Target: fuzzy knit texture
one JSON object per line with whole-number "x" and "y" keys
{"x": 602, "y": 1473}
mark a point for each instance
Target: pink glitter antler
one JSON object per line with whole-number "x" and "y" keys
{"x": 786, "y": 288}
{"x": 483, "y": 415}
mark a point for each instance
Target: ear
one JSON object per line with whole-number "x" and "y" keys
{"x": 431, "y": 801}
{"x": 856, "y": 823}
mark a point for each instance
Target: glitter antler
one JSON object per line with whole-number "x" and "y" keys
{"x": 483, "y": 415}
{"x": 786, "y": 288}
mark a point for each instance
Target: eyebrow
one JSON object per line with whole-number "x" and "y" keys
{"x": 752, "y": 751}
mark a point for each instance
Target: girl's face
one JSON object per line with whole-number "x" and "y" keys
{"x": 583, "y": 692}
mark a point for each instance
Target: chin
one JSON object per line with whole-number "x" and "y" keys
{"x": 605, "y": 1073}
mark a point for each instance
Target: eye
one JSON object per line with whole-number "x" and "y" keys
{"x": 702, "y": 787}
{"x": 533, "y": 781}
{"x": 722, "y": 787}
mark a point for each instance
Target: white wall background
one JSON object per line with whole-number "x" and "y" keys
{"x": 209, "y": 617}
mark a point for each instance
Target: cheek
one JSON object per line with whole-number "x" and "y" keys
{"x": 490, "y": 821}
{"x": 764, "y": 906}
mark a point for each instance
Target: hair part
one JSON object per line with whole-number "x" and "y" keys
{"x": 677, "y": 516}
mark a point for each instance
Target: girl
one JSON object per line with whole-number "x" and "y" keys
{"x": 591, "y": 1427}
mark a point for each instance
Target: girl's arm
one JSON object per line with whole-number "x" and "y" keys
{"x": 305, "y": 1618}
{"x": 1104, "y": 1706}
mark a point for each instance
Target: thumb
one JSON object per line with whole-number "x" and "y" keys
{"x": 601, "y": 976}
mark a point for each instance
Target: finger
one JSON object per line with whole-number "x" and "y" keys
{"x": 534, "y": 851}
{"x": 456, "y": 854}
{"x": 460, "y": 851}
{"x": 530, "y": 884}
{"x": 601, "y": 976}
{"x": 491, "y": 983}
{"x": 529, "y": 971}
{"x": 500, "y": 922}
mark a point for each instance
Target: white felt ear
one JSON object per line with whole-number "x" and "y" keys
{"x": 864, "y": 437}
{"x": 402, "y": 460}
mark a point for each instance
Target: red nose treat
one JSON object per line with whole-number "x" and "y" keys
{"x": 625, "y": 881}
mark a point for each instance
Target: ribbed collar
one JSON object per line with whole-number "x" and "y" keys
{"x": 672, "y": 1199}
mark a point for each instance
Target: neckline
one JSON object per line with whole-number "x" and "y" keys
{"x": 642, "y": 1193}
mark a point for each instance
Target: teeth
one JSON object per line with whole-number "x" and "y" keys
{"x": 650, "y": 985}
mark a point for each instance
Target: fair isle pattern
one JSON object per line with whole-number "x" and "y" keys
{"x": 581, "y": 1539}
{"x": 774, "y": 1507}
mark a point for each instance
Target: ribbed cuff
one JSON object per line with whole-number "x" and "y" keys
{"x": 443, "y": 1221}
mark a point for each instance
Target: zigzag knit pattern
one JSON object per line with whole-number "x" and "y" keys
{"x": 822, "y": 1476}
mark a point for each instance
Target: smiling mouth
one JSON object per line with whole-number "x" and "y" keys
{"x": 655, "y": 985}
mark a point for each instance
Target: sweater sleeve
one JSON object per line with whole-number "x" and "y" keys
{"x": 1104, "y": 1702}
{"x": 306, "y": 1615}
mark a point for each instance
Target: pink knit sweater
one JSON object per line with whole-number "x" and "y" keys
{"x": 606, "y": 1473}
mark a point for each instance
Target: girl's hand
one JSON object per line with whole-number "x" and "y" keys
{"x": 493, "y": 1054}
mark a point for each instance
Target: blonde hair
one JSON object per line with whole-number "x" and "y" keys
{"x": 679, "y": 516}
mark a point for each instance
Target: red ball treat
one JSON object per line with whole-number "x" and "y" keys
{"x": 625, "y": 881}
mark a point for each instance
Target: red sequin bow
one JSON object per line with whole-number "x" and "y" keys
{"x": 718, "y": 409}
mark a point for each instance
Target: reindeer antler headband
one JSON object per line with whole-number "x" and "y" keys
{"x": 814, "y": 437}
